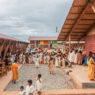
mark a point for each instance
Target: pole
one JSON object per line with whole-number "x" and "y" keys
{"x": 69, "y": 42}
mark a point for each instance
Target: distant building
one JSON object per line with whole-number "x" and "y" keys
{"x": 42, "y": 41}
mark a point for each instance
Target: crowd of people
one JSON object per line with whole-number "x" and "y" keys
{"x": 52, "y": 58}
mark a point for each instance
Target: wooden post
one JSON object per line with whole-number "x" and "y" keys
{"x": 65, "y": 46}
{"x": 69, "y": 42}
{"x": 2, "y": 46}
{"x": 14, "y": 47}
{"x": 6, "y": 50}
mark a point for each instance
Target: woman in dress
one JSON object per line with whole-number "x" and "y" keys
{"x": 91, "y": 63}
{"x": 51, "y": 66}
{"x": 80, "y": 58}
{"x": 43, "y": 59}
{"x": 14, "y": 69}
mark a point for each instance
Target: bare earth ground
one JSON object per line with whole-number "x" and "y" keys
{"x": 50, "y": 82}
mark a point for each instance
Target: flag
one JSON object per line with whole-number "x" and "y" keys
{"x": 56, "y": 29}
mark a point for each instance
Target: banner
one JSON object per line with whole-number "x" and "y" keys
{"x": 32, "y": 42}
{"x": 45, "y": 42}
{"x": 41, "y": 42}
{"x": 55, "y": 42}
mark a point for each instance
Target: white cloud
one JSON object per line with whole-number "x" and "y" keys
{"x": 22, "y": 18}
{"x": 6, "y": 6}
{"x": 26, "y": 31}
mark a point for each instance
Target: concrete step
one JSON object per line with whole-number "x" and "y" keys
{"x": 59, "y": 92}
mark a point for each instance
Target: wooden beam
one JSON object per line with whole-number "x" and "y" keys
{"x": 72, "y": 13}
{"x": 78, "y": 20}
{"x": 78, "y": 32}
{"x": 76, "y": 35}
{"x": 67, "y": 28}
{"x": 64, "y": 32}
{"x": 84, "y": 24}
{"x": 87, "y": 18}
{"x": 82, "y": 28}
{"x": 87, "y": 32}
{"x": 90, "y": 13}
{"x": 78, "y": 6}
{"x": 73, "y": 19}
{"x": 1, "y": 48}
{"x": 14, "y": 46}
{"x": 6, "y": 50}
{"x": 69, "y": 24}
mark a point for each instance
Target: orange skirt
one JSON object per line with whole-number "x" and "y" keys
{"x": 60, "y": 63}
{"x": 42, "y": 60}
{"x": 51, "y": 68}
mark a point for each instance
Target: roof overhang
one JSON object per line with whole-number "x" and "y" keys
{"x": 79, "y": 21}
{"x": 8, "y": 38}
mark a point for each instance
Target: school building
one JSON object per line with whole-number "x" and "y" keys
{"x": 42, "y": 41}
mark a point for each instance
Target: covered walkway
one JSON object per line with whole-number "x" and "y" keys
{"x": 80, "y": 24}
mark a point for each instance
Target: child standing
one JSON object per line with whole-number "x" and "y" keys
{"x": 38, "y": 84}
{"x": 22, "y": 92}
{"x": 29, "y": 88}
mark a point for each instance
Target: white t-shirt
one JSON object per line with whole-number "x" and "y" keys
{"x": 29, "y": 89}
{"x": 38, "y": 85}
{"x": 21, "y": 92}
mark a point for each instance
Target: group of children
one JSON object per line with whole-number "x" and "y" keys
{"x": 30, "y": 89}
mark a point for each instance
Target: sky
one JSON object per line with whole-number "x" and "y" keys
{"x": 24, "y": 18}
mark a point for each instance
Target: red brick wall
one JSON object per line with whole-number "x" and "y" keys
{"x": 90, "y": 43}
